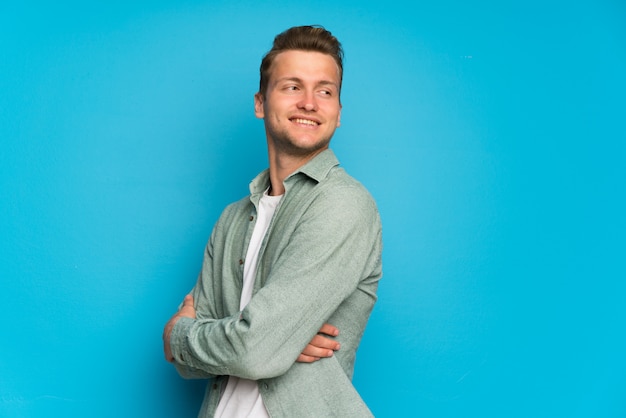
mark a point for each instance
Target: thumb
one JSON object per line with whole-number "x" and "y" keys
{"x": 187, "y": 309}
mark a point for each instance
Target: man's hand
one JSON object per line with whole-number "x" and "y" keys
{"x": 320, "y": 346}
{"x": 187, "y": 311}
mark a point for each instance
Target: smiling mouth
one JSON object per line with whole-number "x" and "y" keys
{"x": 307, "y": 122}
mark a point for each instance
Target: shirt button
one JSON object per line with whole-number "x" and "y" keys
{"x": 251, "y": 218}
{"x": 240, "y": 261}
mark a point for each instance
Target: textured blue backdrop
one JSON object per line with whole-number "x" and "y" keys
{"x": 492, "y": 136}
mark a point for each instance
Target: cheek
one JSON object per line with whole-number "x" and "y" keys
{"x": 274, "y": 120}
{"x": 337, "y": 115}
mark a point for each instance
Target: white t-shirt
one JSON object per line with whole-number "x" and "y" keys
{"x": 241, "y": 398}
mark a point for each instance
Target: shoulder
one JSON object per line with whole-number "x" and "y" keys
{"x": 341, "y": 195}
{"x": 342, "y": 186}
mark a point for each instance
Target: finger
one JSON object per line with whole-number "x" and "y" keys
{"x": 302, "y": 358}
{"x": 324, "y": 342}
{"x": 314, "y": 351}
{"x": 187, "y": 309}
{"x": 329, "y": 329}
{"x": 188, "y": 301}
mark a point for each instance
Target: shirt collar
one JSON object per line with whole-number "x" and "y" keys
{"x": 319, "y": 166}
{"x": 317, "y": 169}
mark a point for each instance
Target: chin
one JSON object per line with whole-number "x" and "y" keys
{"x": 302, "y": 147}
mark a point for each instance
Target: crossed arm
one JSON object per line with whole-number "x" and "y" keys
{"x": 319, "y": 347}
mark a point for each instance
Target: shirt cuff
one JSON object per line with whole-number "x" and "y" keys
{"x": 179, "y": 343}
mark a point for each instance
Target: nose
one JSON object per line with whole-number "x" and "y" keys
{"x": 308, "y": 102}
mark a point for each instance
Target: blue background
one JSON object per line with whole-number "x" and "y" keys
{"x": 492, "y": 135}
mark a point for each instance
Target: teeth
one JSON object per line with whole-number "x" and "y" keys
{"x": 306, "y": 122}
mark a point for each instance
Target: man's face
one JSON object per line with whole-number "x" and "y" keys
{"x": 301, "y": 107}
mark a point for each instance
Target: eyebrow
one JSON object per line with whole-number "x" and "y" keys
{"x": 300, "y": 81}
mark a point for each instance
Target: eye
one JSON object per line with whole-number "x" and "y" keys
{"x": 325, "y": 93}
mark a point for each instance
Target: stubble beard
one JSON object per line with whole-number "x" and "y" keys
{"x": 288, "y": 145}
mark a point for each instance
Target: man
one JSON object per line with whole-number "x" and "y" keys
{"x": 301, "y": 252}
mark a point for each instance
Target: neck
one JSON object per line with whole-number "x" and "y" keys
{"x": 282, "y": 165}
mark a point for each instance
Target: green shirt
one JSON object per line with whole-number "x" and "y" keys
{"x": 320, "y": 261}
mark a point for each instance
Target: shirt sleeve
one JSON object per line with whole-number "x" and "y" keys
{"x": 334, "y": 249}
{"x": 205, "y": 304}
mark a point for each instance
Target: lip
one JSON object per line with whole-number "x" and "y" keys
{"x": 295, "y": 118}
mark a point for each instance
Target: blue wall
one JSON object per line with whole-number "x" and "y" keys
{"x": 492, "y": 136}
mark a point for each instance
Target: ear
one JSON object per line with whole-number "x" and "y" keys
{"x": 258, "y": 106}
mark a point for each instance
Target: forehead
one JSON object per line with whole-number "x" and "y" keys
{"x": 305, "y": 65}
